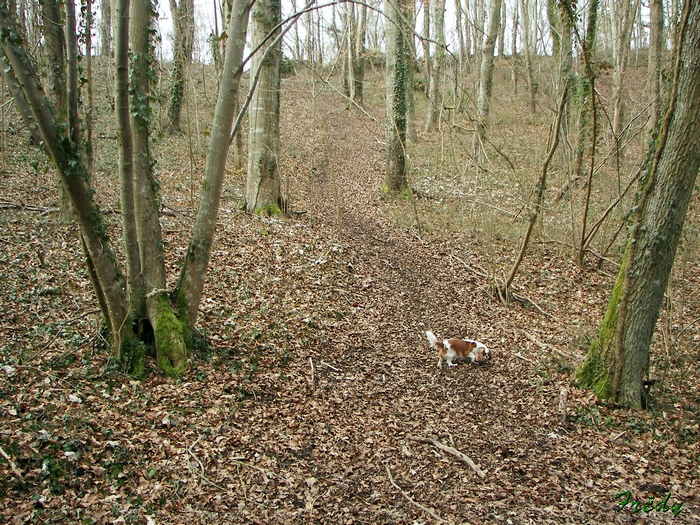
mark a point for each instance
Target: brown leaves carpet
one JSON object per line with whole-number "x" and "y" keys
{"x": 310, "y": 402}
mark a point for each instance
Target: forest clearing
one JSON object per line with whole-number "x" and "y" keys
{"x": 311, "y": 394}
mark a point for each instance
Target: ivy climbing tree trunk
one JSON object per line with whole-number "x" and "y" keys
{"x": 618, "y": 358}
{"x": 397, "y": 79}
{"x": 263, "y": 183}
{"x": 171, "y": 350}
{"x": 69, "y": 159}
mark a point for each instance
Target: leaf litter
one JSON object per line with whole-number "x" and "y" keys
{"x": 317, "y": 399}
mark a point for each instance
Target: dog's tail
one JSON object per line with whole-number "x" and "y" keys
{"x": 431, "y": 338}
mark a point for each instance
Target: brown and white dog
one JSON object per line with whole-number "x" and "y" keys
{"x": 450, "y": 349}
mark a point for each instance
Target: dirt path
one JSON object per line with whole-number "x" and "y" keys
{"x": 387, "y": 390}
{"x": 306, "y": 406}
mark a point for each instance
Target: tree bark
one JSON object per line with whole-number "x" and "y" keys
{"x": 183, "y": 26}
{"x": 655, "y": 60}
{"x": 618, "y": 359}
{"x": 397, "y": 80}
{"x": 137, "y": 302}
{"x": 438, "y": 63}
{"x": 525, "y": 24}
{"x": 21, "y": 102}
{"x": 194, "y": 269}
{"x": 106, "y": 28}
{"x": 425, "y": 41}
{"x": 486, "y": 75}
{"x": 168, "y": 331}
{"x": 622, "y": 16}
{"x": 55, "y": 55}
{"x": 103, "y": 268}
{"x": 263, "y": 183}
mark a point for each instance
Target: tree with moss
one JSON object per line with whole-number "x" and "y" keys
{"x": 618, "y": 358}
{"x": 397, "y": 84}
{"x": 135, "y": 304}
{"x": 263, "y": 194}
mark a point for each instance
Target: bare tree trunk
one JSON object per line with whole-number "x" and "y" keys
{"x": 486, "y": 75}
{"x": 194, "y": 269}
{"x": 655, "y": 60}
{"x": 502, "y": 31}
{"x": 358, "y": 64}
{"x": 514, "y": 48}
{"x": 21, "y": 102}
{"x": 622, "y": 16}
{"x": 106, "y": 28}
{"x": 183, "y": 26}
{"x": 525, "y": 24}
{"x": 427, "y": 62}
{"x": 134, "y": 288}
{"x": 618, "y": 359}
{"x": 263, "y": 184}
{"x": 397, "y": 78}
{"x": 55, "y": 55}
{"x": 438, "y": 65}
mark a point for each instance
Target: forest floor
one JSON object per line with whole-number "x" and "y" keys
{"x": 317, "y": 398}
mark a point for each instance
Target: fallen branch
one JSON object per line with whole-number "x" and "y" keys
{"x": 482, "y": 275}
{"x": 330, "y": 366}
{"x": 450, "y": 450}
{"x": 421, "y": 507}
{"x": 521, "y": 356}
{"x": 7, "y": 205}
{"x": 527, "y": 300}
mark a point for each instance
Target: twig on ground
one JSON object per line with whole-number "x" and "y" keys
{"x": 450, "y": 450}
{"x": 7, "y": 205}
{"x": 311, "y": 363}
{"x": 330, "y": 366}
{"x": 521, "y": 356}
{"x": 201, "y": 474}
{"x": 527, "y": 300}
{"x": 482, "y": 275}
{"x": 12, "y": 464}
{"x": 421, "y": 507}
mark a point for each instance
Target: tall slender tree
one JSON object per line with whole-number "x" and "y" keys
{"x": 618, "y": 358}
{"x": 622, "y": 17}
{"x": 486, "y": 74}
{"x": 263, "y": 193}
{"x": 437, "y": 66}
{"x": 183, "y": 29}
{"x": 397, "y": 81}
{"x": 656, "y": 39}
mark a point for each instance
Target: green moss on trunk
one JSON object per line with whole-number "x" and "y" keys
{"x": 596, "y": 371}
{"x": 170, "y": 335}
